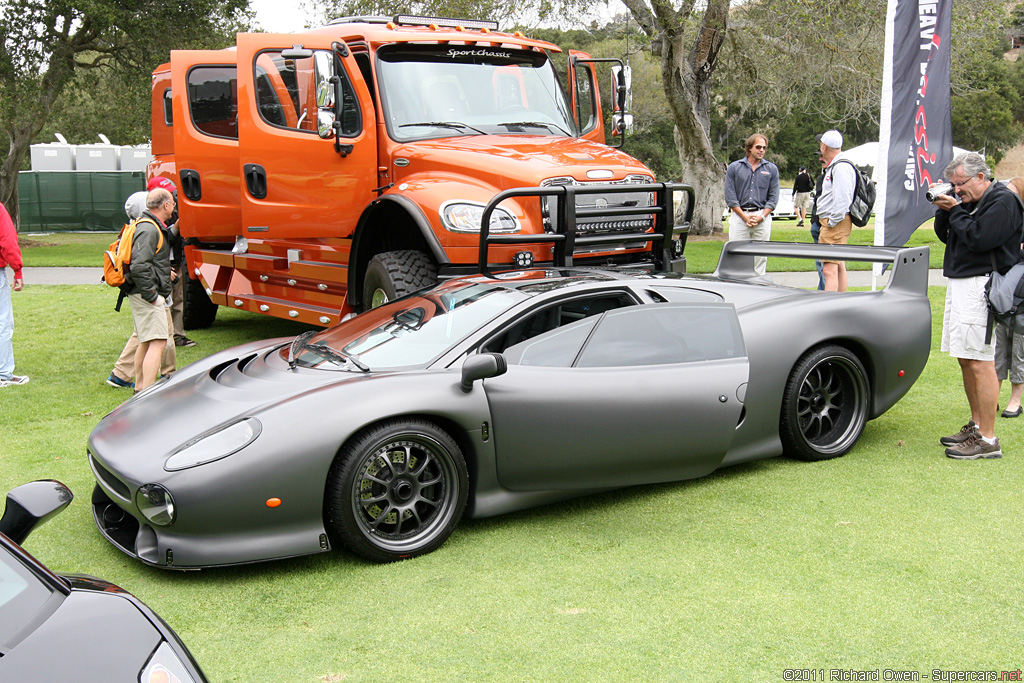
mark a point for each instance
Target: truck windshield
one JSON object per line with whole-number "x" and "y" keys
{"x": 437, "y": 91}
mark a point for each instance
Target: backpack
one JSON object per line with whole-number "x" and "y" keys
{"x": 118, "y": 257}
{"x": 863, "y": 197}
{"x": 1004, "y": 293}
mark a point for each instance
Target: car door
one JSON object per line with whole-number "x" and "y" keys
{"x": 295, "y": 183}
{"x": 634, "y": 395}
{"x": 204, "y": 105}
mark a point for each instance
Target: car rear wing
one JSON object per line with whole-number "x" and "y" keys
{"x": 567, "y": 237}
{"x": 909, "y": 264}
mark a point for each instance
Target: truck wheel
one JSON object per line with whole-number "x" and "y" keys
{"x": 394, "y": 274}
{"x": 199, "y": 312}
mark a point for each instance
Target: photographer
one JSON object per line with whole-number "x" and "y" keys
{"x": 981, "y": 226}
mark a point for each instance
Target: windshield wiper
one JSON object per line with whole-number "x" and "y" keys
{"x": 325, "y": 351}
{"x": 536, "y": 124}
{"x": 445, "y": 124}
{"x": 301, "y": 343}
{"x": 298, "y": 344}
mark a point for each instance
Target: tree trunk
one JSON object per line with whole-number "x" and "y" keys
{"x": 686, "y": 76}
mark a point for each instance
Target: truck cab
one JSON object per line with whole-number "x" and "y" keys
{"x": 325, "y": 172}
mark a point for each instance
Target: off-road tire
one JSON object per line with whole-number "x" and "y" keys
{"x": 198, "y": 312}
{"x": 394, "y": 274}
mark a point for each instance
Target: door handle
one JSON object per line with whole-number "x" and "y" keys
{"x": 190, "y": 185}
{"x": 255, "y": 180}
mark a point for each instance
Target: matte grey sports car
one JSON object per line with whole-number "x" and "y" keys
{"x": 494, "y": 393}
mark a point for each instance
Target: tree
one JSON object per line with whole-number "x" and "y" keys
{"x": 47, "y": 44}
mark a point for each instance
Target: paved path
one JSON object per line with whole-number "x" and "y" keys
{"x": 91, "y": 276}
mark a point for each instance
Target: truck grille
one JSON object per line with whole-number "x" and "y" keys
{"x": 601, "y": 224}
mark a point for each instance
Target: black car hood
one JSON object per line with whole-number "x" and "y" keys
{"x": 90, "y": 637}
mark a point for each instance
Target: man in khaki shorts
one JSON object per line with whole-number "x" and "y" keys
{"x": 832, "y": 207}
{"x": 980, "y": 224}
{"x": 150, "y": 271}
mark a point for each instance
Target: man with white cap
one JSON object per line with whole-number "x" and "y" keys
{"x": 832, "y": 207}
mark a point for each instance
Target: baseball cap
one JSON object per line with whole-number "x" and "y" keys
{"x": 803, "y": 168}
{"x": 163, "y": 183}
{"x": 831, "y": 138}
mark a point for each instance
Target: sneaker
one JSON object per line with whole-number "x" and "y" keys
{"x": 974, "y": 448}
{"x": 965, "y": 433}
{"x": 799, "y": 224}
{"x": 119, "y": 383}
{"x": 182, "y": 340}
{"x": 13, "y": 380}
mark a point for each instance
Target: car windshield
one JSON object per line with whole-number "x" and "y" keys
{"x": 22, "y": 595}
{"x": 407, "y": 332}
{"x": 442, "y": 91}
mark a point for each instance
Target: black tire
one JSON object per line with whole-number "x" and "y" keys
{"x": 825, "y": 405}
{"x": 394, "y": 274}
{"x": 199, "y": 312}
{"x": 397, "y": 490}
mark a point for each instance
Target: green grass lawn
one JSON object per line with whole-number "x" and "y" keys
{"x": 891, "y": 557}
{"x": 86, "y": 249}
{"x": 65, "y": 248}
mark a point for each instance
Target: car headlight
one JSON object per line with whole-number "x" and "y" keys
{"x": 165, "y": 667}
{"x": 467, "y": 217}
{"x": 156, "y": 504}
{"x": 215, "y": 445}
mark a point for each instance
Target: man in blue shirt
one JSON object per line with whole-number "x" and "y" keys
{"x": 751, "y": 193}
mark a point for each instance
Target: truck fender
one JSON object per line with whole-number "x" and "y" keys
{"x": 359, "y": 257}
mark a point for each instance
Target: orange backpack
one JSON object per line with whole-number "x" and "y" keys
{"x": 118, "y": 257}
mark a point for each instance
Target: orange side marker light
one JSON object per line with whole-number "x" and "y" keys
{"x": 273, "y": 502}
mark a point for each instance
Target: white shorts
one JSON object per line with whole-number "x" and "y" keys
{"x": 965, "y": 319}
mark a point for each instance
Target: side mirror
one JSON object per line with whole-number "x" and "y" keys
{"x": 482, "y": 366}
{"x": 622, "y": 87}
{"x": 30, "y": 505}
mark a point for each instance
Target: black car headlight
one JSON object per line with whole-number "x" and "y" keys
{"x": 165, "y": 667}
{"x": 155, "y": 504}
{"x": 215, "y": 445}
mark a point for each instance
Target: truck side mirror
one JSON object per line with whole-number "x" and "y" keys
{"x": 482, "y": 366}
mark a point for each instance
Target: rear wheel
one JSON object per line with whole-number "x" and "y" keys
{"x": 199, "y": 312}
{"x": 394, "y": 274}
{"x": 397, "y": 490}
{"x": 825, "y": 405}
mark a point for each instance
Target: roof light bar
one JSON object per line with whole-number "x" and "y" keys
{"x": 413, "y": 20}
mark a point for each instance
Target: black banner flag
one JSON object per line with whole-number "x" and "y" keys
{"x": 916, "y": 138}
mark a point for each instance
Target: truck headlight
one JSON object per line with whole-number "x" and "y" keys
{"x": 156, "y": 504}
{"x": 467, "y": 217}
{"x": 215, "y": 445}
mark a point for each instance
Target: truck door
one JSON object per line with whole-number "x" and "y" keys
{"x": 585, "y": 96}
{"x": 204, "y": 104}
{"x": 295, "y": 183}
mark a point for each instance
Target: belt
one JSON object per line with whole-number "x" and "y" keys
{"x": 751, "y": 207}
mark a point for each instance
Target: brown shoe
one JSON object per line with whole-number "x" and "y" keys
{"x": 965, "y": 433}
{"x": 975, "y": 448}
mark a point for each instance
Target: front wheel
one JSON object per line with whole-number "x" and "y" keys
{"x": 394, "y": 274}
{"x": 825, "y": 405}
{"x": 397, "y": 490}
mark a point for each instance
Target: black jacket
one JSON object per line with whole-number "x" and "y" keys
{"x": 972, "y": 231}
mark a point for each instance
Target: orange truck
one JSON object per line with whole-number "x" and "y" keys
{"x": 325, "y": 172}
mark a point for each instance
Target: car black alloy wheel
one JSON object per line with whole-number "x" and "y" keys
{"x": 397, "y": 490}
{"x": 825, "y": 405}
